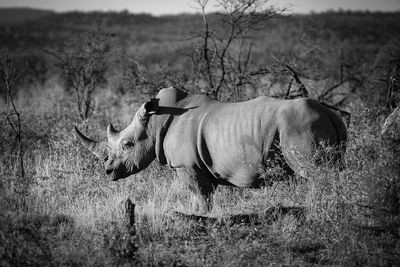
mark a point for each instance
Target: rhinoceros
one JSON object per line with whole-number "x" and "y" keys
{"x": 211, "y": 143}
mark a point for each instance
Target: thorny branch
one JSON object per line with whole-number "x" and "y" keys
{"x": 231, "y": 42}
{"x": 302, "y": 88}
{"x": 304, "y": 92}
{"x": 203, "y": 4}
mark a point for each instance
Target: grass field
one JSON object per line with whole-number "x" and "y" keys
{"x": 65, "y": 212}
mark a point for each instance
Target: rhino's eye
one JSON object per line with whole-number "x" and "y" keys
{"x": 125, "y": 144}
{"x": 105, "y": 158}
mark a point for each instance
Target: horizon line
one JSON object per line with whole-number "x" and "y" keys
{"x": 329, "y": 10}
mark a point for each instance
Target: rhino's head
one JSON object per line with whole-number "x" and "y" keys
{"x": 128, "y": 151}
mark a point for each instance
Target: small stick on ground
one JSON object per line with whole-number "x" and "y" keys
{"x": 130, "y": 215}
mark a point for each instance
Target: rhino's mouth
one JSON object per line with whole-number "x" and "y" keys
{"x": 118, "y": 173}
{"x": 112, "y": 175}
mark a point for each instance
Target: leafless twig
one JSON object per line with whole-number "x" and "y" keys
{"x": 9, "y": 74}
{"x": 227, "y": 47}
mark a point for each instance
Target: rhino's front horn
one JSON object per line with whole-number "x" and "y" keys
{"x": 98, "y": 149}
{"x": 111, "y": 131}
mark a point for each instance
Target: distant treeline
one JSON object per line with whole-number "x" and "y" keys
{"x": 317, "y": 43}
{"x": 38, "y": 28}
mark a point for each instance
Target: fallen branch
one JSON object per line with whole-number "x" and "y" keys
{"x": 269, "y": 216}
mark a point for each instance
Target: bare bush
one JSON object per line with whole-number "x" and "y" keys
{"x": 9, "y": 73}
{"x": 223, "y": 56}
{"x": 84, "y": 61}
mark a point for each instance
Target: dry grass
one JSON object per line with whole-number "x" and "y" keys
{"x": 66, "y": 213}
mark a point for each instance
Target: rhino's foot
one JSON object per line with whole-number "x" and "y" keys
{"x": 201, "y": 187}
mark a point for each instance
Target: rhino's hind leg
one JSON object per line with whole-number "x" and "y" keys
{"x": 201, "y": 187}
{"x": 276, "y": 167}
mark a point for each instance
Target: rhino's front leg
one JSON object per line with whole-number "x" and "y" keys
{"x": 201, "y": 187}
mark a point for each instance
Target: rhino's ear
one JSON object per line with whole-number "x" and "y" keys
{"x": 145, "y": 111}
{"x": 151, "y": 106}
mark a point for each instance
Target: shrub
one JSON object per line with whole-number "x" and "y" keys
{"x": 84, "y": 61}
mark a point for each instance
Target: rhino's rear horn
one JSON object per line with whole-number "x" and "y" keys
{"x": 98, "y": 149}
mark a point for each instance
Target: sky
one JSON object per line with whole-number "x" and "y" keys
{"x": 160, "y": 7}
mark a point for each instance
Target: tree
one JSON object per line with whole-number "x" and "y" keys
{"x": 224, "y": 55}
{"x": 83, "y": 61}
{"x": 9, "y": 73}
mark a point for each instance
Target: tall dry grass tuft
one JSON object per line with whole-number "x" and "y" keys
{"x": 355, "y": 212}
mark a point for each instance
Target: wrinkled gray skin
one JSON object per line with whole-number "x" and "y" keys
{"x": 211, "y": 143}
